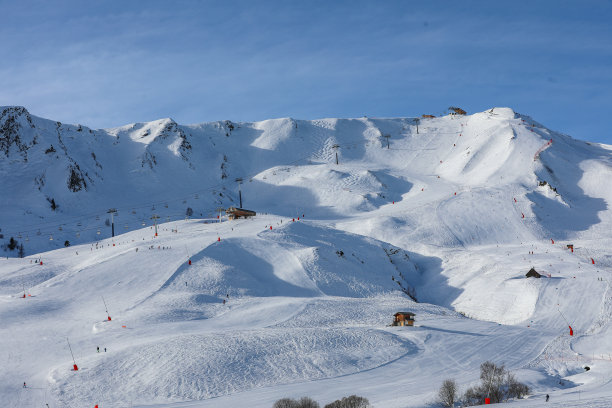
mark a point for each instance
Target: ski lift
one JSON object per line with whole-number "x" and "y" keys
{"x": 153, "y": 208}
{"x": 167, "y": 218}
{"x": 144, "y": 223}
{"x": 97, "y": 218}
{"x": 79, "y": 224}
{"x": 166, "y": 205}
{"x": 60, "y": 228}
{"x": 19, "y": 236}
{"x": 51, "y": 237}
{"x": 126, "y": 226}
{"x": 78, "y": 234}
{"x": 133, "y": 211}
{"x": 27, "y": 239}
{"x": 98, "y": 231}
{"x": 38, "y": 232}
{"x": 196, "y": 196}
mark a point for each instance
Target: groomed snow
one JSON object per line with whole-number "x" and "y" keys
{"x": 273, "y": 306}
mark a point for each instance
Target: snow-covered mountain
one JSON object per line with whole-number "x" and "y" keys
{"x": 60, "y": 180}
{"x": 357, "y": 219}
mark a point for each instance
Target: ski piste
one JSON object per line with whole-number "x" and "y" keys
{"x": 455, "y": 215}
{"x": 541, "y": 149}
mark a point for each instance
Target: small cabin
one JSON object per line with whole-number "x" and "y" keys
{"x": 533, "y": 274}
{"x": 403, "y": 319}
{"x": 234, "y": 213}
{"x": 428, "y": 116}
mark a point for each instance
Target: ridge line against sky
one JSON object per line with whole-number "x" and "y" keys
{"x": 106, "y": 64}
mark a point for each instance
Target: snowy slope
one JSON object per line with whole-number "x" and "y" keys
{"x": 452, "y": 215}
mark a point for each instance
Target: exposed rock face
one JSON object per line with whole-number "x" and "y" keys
{"x": 16, "y": 132}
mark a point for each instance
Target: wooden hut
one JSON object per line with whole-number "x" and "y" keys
{"x": 234, "y": 213}
{"x": 403, "y": 319}
{"x": 533, "y": 274}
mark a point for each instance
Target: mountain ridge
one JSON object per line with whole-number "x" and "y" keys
{"x": 77, "y": 167}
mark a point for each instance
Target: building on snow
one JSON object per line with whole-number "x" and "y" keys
{"x": 403, "y": 319}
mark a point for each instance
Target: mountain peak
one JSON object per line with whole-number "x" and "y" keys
{"x": 16, "y": 131}
{"x": 17, "y": 114}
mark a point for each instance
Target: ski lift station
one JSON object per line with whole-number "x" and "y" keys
{"x": 234, "y": 213}
{"x": 403, "y": 319}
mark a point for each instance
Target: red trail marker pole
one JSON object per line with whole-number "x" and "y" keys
{"x": 571, "y": 331}
{"x": 74, "y": 366}
{"x": 106, "y": 308}
{"x": 188, "y": 255}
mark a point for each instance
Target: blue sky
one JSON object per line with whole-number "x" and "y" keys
{"x": 108, "y": 63}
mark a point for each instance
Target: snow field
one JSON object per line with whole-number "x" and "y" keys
{"x": 308, "y": 303}
{"x": 208, "y": 365}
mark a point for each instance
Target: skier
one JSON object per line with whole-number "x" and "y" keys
{"x": 24, "y": 385}
{"x": 547, "y": 397}
{"x": 105, "y": 349}
{"x": 98, "y": 348}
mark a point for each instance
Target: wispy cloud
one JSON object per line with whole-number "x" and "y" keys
{"x": 109, "y": 63}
